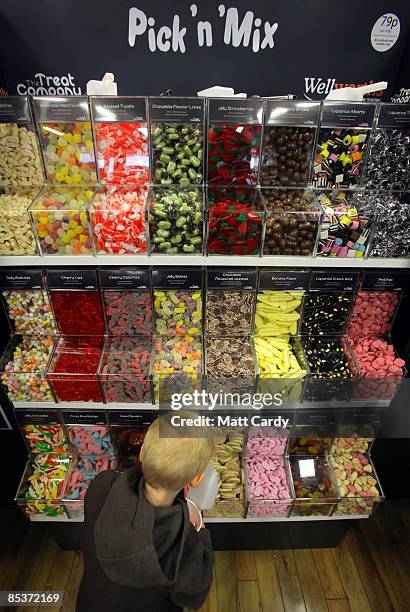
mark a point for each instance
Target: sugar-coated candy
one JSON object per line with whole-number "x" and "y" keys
{"x": 81, "y": 475}
{"x": 122, "y": 152}
{"x": 177, "y": 364}
{"x": 278, "y": 313}
{"x": 316, "y": 494}
{"x": 345, "y": 231}
{"x": 73, "y": 369}
{"x": 128, "y": 312}
{"x": 178, "y": 313}
{"x": 125, "y": 370}
{"x": 339, "y": 158}
{"x": 177, "y": 153}
{"x": 308, "y": 445}
{"x": 233, "y": 153}
{"x": 45, "y": 486}
{"x": 45, "y": 439}
{"x": 61, "y": 221}
{"x": 176, "y": 220}
{"x": 326, "y": 312}
{"x": 388, "y": 162}
{"x": 229, "y": 313}
{"x": 372, "y": 313}
{"x": 292, "y": 222}
{"x": 68, "y": 150}
{"x": 24, "y": 374}
{"x": 118, "y": 221}
{"x": 286, "y": 156}
{"x": 16, "y": 233}
{"x": 20, "y": 161}
{"x": 90, "y": 440}
{"x": 78, "y": 312}
{"x": 29, "y": 311}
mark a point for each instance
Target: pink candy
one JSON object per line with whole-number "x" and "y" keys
{"x": 372, "y": 313}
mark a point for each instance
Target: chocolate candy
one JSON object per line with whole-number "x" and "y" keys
{"x": 128, "y": 313}
{"x": 339, "y": 158}
{"x": 373, "y": 312}
{"x": 229, "y": 501}
{"x": 345, "y": 231}
{"x": 42, "y": 439}
{"x": 317, "y": 489}
{"x": 93, "y": 441}
{"x": 325, "y": 313}
{"x": 388, "y": 162}
{"x": 229, "y": 313}
{"x": 235, "y": 222}
{"x": 292, "y": 222}
{"x": 125, "y": 369}
{"x": 118, "y": 220}
{"x": 78, "y": 312}
{"x": 61, "y": 221}
{"x": 29, "y": 311}
{"x": 176, "y": 220}
{"x": 229, "y": 357}
{"x": 16, "y": 233}
{"x": 20, "y": 161}
{"x": 73, "y": 369}
{"x": 233, "y": 153}
{"x": 177, "y": 153}
{"x": 287, "y": 153}
{"x": 278, "y": 312}
{"x": 178, "y": 313}
{"x": 24, "y": 364}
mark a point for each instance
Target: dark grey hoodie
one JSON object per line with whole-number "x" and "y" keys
{"x": 137, "y": 556}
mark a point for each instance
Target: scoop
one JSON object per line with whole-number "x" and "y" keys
{"x": 355, "y": 94}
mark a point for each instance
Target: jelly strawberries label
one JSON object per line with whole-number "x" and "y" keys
{"x": 91, "y": 417}
{"x": 394, "y": 116}
{"x": 128, "y": 109}
{"x": 124, "y": 279}
{"x": 350, "y": 114}
{"x": 176, "y": 110}
{"x": 232, "y": 279}
{"x": 292, "y": 112}
{"x": 14, "y": 109}
{"x": 333, "y": 281}
{"x": 72, "y": 108}
{"x": 72, "y": 279}
{"x": 21, "y": 279}
{"x": 387, "y": 280}
{"x": 141, "y": 418}
{"x": 40, "y": 417}
{"x": 282, "y": 280}
{"x": 177, "y": 279}
{"x": 229, "y": 110}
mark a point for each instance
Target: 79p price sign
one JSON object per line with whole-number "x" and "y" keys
{"x": 385, "y": 32}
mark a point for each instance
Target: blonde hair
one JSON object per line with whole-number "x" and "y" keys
{"x": 171, "y": 456}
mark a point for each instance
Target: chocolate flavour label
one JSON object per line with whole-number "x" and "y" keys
{"x": 283, "y": 281}
{"x": 72, "y": 279}
{"x": 124, "y": 279}
{"x": 40, "y": 417}
{"x": 394, "y": 116}
{"x": 292, "y": 112}
{"x": 176, "y": 110}
{"x": 130, "y": 417}
{"x": 60, "y": 109}
{"x": 348, "y": 114}
{"x": 127, "y": 109}
{"x": 21, "y": 279}
{"x": 90, "y": 417}
{"x": 14, "y": 109}
{"x": 177, "y": 279}
{"x": 333, "y": 281}
{"x": 387, "y": 280}
{"x": 239, "y": 110}
{"x": 232, "y": 279}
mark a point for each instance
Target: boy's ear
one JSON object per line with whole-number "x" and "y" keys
{"x": 141, "y": 454}
{"x": 196, "y": 481}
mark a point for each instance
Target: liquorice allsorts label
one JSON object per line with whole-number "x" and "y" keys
{"x": 292, "y": 112}
{"x": 37, "y": 417}
{"x": 236, "y": 110}
{"x": 134, "y": 418}
{"x": 126, "y": 279}
{"x": 13, "y": 278}
{"x": 385, "y": 280}
{"x": 280, "y": 280}
{"x": 177, "y": 279}
{"x": 327, "y": 280}
{"x": 239, "y": 280}
{"x": 110, "y": 109}
{"x": 14, "y": 109}
{"x": 176, "y": 110}
{"x": 72, "y": 279}
{"x": 348, "y": 114}
{"x": 61, "y": 109}
{"x": 396, "y": 116}
{"x": 85, "y": 417}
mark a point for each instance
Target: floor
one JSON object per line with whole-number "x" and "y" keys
{"x": 369, "y": 570}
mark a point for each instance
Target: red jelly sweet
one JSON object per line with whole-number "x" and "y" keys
{"x": 78, "y": 312}
{"x": 233, "y": 153}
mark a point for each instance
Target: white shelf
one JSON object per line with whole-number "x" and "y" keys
{"x": 84, "y": 406}
{"x": 199, "y": 260}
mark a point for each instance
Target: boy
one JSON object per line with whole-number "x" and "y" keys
{"x": 141, "y": 553}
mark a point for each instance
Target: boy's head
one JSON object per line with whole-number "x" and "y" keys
{"x": 169, "y": 460}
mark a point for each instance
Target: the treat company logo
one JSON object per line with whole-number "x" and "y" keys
{"x": 318, "y": 88}
{"x": 48, "y": 85}
{"x": 402, "y": 96}
{"x": 246, "y": 31}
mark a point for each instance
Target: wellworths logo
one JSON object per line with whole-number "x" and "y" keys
{"x": 49, "y": 85}
{"x": 318, "y": 88}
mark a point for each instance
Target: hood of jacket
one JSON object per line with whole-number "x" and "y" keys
{"x": 137, "y": 544}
